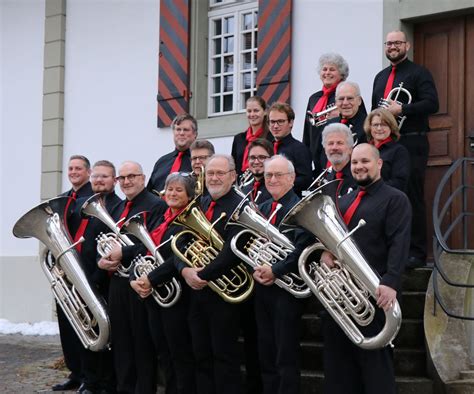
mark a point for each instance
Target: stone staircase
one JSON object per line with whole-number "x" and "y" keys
{"x": 409, "y": 351}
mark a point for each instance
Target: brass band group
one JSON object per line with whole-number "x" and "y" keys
{"x": 208, "y": 263}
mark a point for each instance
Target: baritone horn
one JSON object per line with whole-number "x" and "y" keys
{"x": 168, "y": 294}
{"x": 80, "y": 302}
{"x": 261, "y": 243}
{"x": 201, "y": 247}
{"x": 394, "y": 95}
{"x": 94, "y": 207}
{"x": 320, "y": 118}
{"x": 346, "y": 291}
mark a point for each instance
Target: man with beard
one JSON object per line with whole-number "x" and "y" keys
{"x": 185, "y": 131}
{"x": 214, "y": 323}
{"x": 259, "y": 151}
{"x": 337, "y": 143}
{"x": 419, "y": 82}
{"x": 384, "y": 242}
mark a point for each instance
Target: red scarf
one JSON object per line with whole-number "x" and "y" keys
{"x": 322, "y": 103}
{"x": 250, "y": 137}
{"x": 379, "y": 144}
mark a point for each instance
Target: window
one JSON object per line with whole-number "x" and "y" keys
{"x": 232, "y": 56}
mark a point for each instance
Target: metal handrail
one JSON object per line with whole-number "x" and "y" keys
{"x": 440, "y": 238}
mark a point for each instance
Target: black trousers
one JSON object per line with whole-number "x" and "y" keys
{"x": 278, "y": 316}
{"x": 214, "y": 327}
{"x": 418, "y": 148}
{"x": 98, "y": 370}
{"x": 350, "y": 369}
{"x": 71, "y": 345}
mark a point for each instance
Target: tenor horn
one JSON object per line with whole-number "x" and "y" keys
{"x": 93, "y": 207}
{"x": 346, "y": 291}
{"x": 261, "y": 243}
{"x": 79, "y": 300}
{"x": 204, "y": 245}
{"x": 394, "y": 95}
{"x": 167, "y": 294}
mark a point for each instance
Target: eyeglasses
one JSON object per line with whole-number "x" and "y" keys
{"x": 277, "y": 175}
{"x": 279, "y": 122}
{"x": 379, "y": 125}
{"x": 258, "y": 158}
{"x": 349, "y": 99}
{"x": 130, "y": 177}
{"x": 100, "y": 176}
{"x": 398, "y": 44}
{"x": 217, "y": 174}
{"x": 200, "y": 158}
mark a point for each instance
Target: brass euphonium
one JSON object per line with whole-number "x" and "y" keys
{"x": 261, "y": 243}
{"x": 204, "y": 245}
{"x": 321, "y": 118}
{"x": 94, "y": 207}
{"x": 80, "y": 302}
{"x": 168, "y": 294}
{"x": 344, "y": 291}
{"x": 394, "y": 95}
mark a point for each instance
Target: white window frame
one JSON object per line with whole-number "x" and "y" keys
{"x": 219, "y": 11}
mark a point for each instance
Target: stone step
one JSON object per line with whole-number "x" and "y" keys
{"x": 407, "y": 362}
{"x": 411, "y": 333}
{"x": 464, "y": 375}
{"x": 312, "y": 383}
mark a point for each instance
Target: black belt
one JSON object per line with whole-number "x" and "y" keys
{"x": 413, "y": 133}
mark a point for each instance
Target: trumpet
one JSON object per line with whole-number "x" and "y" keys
{"x": 261, "y": 243}
{"x": 168, "y": 294}
{"x": 83, "y": 306}
{"x": 203, "y": 248}
{"x": 93, "y": 207}
{"x": 345, "y": 291}
{"x": 393, "y": 95}
{"x": 320, "y": 118}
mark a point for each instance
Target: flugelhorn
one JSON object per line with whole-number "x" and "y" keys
{"x": 204, "y": 245}
{"x": 94, "y": 207}
{"x": 320, "y": 118}
{"x": 80, "y": 302}
{"x": 346, "y": 291}
{"x": 261, "y": 243}
{"x": 394, "y": 95}
{"x": 168, "y": 294}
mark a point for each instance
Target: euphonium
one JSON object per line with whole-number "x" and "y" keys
{"x": 168, "y": 294}
{"x": 82, "y": 305}
{"x": 203, "y": 247}
{"x": 105, "y": 242}
{"x": 345, "y": 291}
{"x": 261, "y": 243}
{"x": 394, "y": 95}
{"x": 320, "y": 118}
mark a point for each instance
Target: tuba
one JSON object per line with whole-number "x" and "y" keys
{"x": 168, "y": 294}
{"x": 80, "y": 302}
{"x": 345, "y": 291}
{"x": 320, "y": 118}
{"x": 261, "y": 243}
{"x": 204, "y": 245}
{"x": 93, "y": 207}
{"x": 394, "y": 95}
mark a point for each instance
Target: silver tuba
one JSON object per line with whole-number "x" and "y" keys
{"x": 261, "y": 243}
{"x": 94, "y": 207}
{"x": 321, "y": 118}
{"x": 394, "y": 95}
{"x": 82, "y": 305}
{"x": 168, "y": 294}
{"x": 345, "y": 291}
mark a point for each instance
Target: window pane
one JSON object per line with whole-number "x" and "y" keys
{"x": 228, "y": 64}
{"x": 217, "y": 85}
{"x": 247, "y": 41}
{"x": 217, "y": 46}
{"x": 228, "y": 102}
{"x": 255, "y": 59}
{"x": 217, "y": 27}
{"x": 216, "y": 104}
{"x": 245, "y": 96}
{"x": 247, "y": 22}
{"x": 255, "y": 19}
{"x": 228, "y": 44}
{"x": 217, "y": 65}
{"x": 228, "y": 83}
{"x": 246, "y": 81}
{"x": 229, "y": 24}
{"x": 247, "y": 60}
{"x": 255, "y": 37}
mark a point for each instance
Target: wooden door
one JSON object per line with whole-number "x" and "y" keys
{"x": 446, "y": 48}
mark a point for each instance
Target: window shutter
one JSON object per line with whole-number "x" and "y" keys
{"x": 173, "y": 84}
{"x": 274, "y": 50}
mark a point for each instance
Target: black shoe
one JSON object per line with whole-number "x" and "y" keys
{"x": 415, "y": 262}
{"x": 69, "y": 384}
